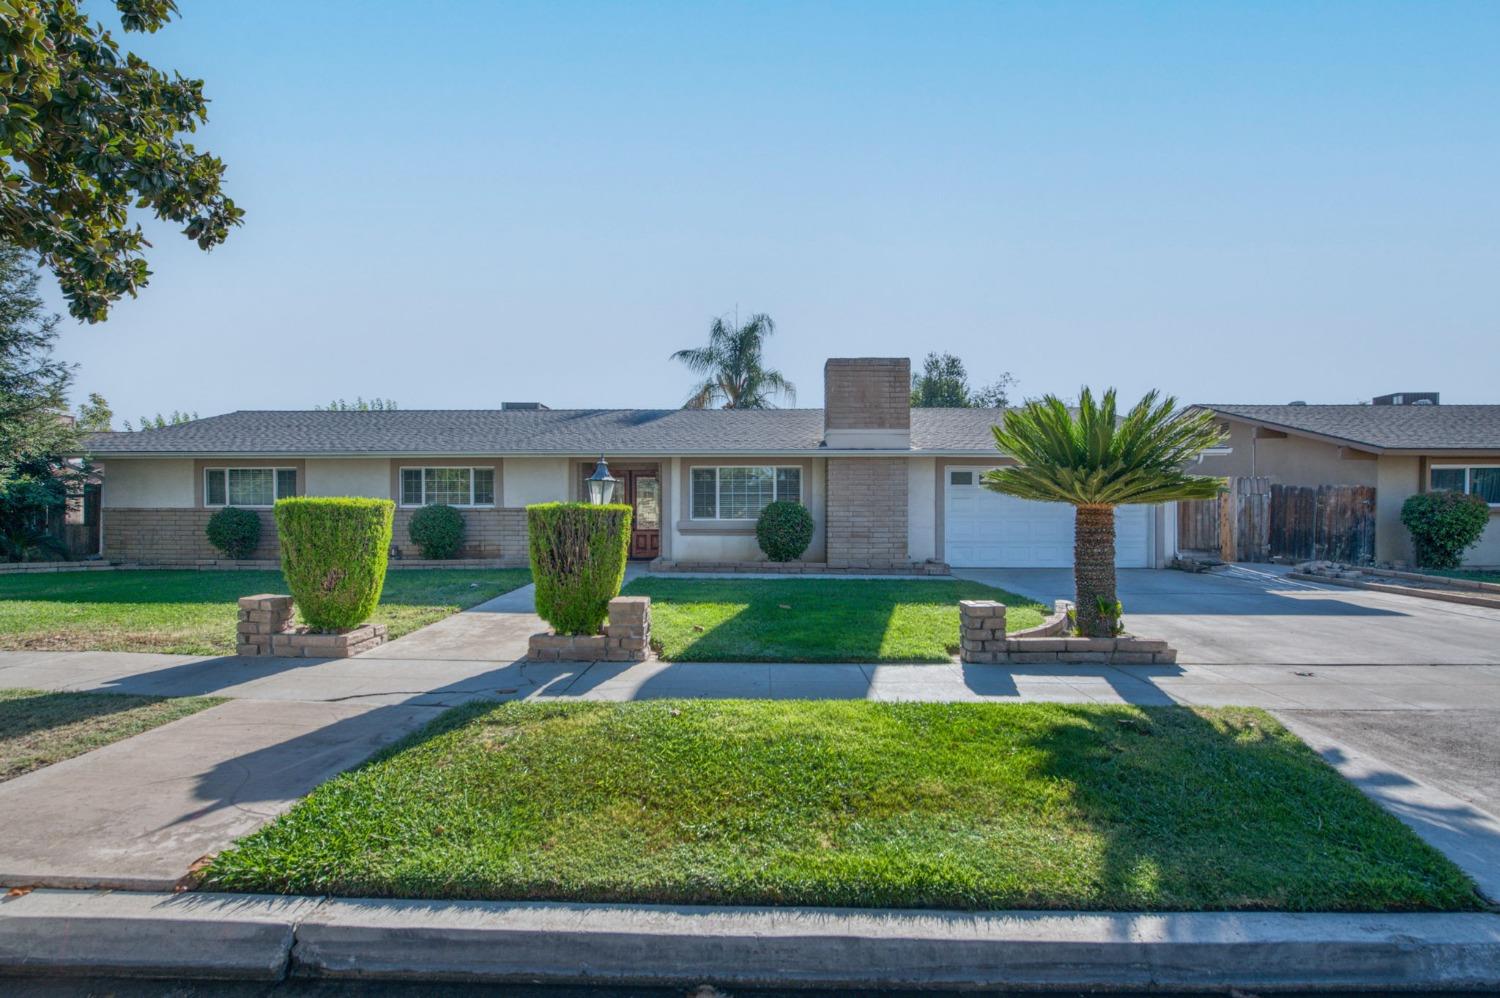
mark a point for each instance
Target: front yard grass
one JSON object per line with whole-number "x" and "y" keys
{"x": 816, "y": 620}
{"x": 38, "y": 728}
{"x": 947, "y": 805}
{"x": 193, "y": 613}
{"x": 1471, "y": 574}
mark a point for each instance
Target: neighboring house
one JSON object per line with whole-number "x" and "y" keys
{"x": 889, "y": 487}
{"x": 1400, "y": 445}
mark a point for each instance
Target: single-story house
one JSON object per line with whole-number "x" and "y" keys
{"x": 889, "y": 487}
{"x": 1399, "y": 445}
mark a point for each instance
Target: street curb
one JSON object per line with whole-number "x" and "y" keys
{"x": 115, "y": 933}
{"x": 224, "y": 935}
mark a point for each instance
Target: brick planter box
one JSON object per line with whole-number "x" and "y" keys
{"x": 982, "y": 640}
{"x": 265, "y": 628}
{"x": 626, "y": 637}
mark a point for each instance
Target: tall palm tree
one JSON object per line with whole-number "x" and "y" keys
{"x": 731, "y": 367}
{"x": 1096, "y": 461}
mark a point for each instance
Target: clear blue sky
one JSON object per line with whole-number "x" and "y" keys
{"x": 458, "y": 203}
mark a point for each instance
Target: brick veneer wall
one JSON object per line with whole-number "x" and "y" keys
{"x": 176, "y": 535}
{"x": 488, "y": 533}
{"x": 866, "y": 515}
{"x": 865, "y": 393}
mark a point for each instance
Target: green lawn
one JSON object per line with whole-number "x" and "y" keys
{"x": 193, "y": 613}
{"x": 816, "y": 620}
{"x": 973, "y": 806}
{"x": 38, "y": 728}
{"x": 1473, "y": 575}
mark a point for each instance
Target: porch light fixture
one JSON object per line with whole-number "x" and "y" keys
{"x": 601, "y": 483}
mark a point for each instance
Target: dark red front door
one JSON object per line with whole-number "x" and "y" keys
{"x": 643, "y": 492}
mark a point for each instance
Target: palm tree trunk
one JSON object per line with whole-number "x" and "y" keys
{"x": 1094, "y": 567}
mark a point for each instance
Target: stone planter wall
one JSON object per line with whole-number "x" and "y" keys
{"x": 265, "y": 628}
{"x": 982, "y": 640}
{"x": 626, "y": 637}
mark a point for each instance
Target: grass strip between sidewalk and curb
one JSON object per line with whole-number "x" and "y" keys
{"x": 39, "y": 727}
{"x": 852, "y": 803}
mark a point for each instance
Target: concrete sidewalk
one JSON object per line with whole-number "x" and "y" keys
{"x": 78, "y": 934}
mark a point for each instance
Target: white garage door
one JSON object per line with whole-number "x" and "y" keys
{"x": 985, "y": 529}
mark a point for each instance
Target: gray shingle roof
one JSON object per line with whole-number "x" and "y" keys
{"x": 523, "y": 431}
{"x": 1384, "y": 427}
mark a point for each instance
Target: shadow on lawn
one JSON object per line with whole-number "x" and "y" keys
{"x": 27, "y": 715}
{"x": 811, "y": 620}
{"x": 406, "y": 587}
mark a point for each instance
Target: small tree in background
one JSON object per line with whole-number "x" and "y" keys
{"x": 1096, "y": 461}
{"x": 437, "y": 531}
{"x": 234, "y": 532}
{"x": 578, "y": 553}
{"x": 95, "y": 415}
{"x": 944, "y": 384}
{"x": 733, "y": 369}
{"x": 160, "y": 422}
{"x": 358, "y": 405}
{"x": 333, "y": 554}
{"x": 1444, "y": 525}
{"x": 784, "y": 530}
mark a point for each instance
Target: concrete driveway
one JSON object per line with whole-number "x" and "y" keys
{"x": 1253, "y": 615}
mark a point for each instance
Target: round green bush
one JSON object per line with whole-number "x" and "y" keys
{"x": 437, "y": 531}
{"x": 1444, "y": 525}
{"x": 578, "y": 555}
{"x": 234, "y": 531}
{"x": 784, "y": 530}
{"x": 333, "y": 554}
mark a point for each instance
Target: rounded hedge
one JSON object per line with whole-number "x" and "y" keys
{"x": 1444, "y": 525}
{"x": 333, "y": 554}
{"x": 437, "y": 531}
{"x": 578, "y": 555}
{"x": 235, "y": 532}
{"x": 784, "y": 530}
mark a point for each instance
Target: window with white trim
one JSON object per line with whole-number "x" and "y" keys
{"x": 248, "y": 486}
{"x": 449, "y": 486}
{"x": 740, "y": 492}
{"x": 1482, "y": 480}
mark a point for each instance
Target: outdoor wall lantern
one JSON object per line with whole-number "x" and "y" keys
{"x": 601, "y": 483}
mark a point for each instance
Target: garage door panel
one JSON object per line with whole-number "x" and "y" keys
{"x": 985, "y": 529}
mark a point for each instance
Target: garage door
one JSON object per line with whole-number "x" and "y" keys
{"x": 985, "y": 529}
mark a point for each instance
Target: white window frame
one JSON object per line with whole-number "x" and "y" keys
{"x": 424, "y": 468}
{"x": 716, "y": 468}
{"x": 1468, "y": 470}
{"x": 226, "y": 469}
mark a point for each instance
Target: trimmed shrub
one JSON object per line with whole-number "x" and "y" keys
{"x": 333, "y": 554}
{"x": 578, "y": 555}
{"x": 784, "y": 530}
{"x": 437, "y": 531}
{"x": 234, "y": 531}
{"x": 1444, "y": 525}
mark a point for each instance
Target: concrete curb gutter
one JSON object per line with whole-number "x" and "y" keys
{"x": 1443, "y": 595}
{"x": 223, "y": 935}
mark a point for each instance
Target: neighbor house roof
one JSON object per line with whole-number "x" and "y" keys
{"x": 475, "y": 432}
{"x": 1382, "y": 427}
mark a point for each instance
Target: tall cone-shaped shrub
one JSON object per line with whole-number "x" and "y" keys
{"x": 333, "y": 554}
{"x": 578, "y": 555}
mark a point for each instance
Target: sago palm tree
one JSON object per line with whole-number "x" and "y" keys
{"x": 1097, "y": 461}
{"x": 731, "y": 367}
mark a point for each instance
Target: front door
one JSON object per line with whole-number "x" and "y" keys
{"x": 643, "y": 493}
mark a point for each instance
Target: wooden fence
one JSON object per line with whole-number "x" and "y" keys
{"x": 1254, "y": 520}
{"x": 76, "y": 526}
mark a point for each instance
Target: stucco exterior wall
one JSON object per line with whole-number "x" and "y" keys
{"x": 687, "y": 540}
{"x": 535, "y": 479}
{"x": 348, "y": 477}
{"x": 1397, "y": 478}
{"x": 921, "y": 508}
{"x": 148, "y": 483}
{"x": 1487, "y": 553}
{"x": 1289, "y": 460}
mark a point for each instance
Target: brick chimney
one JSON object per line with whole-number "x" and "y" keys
{"x": 867, "y": 403}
